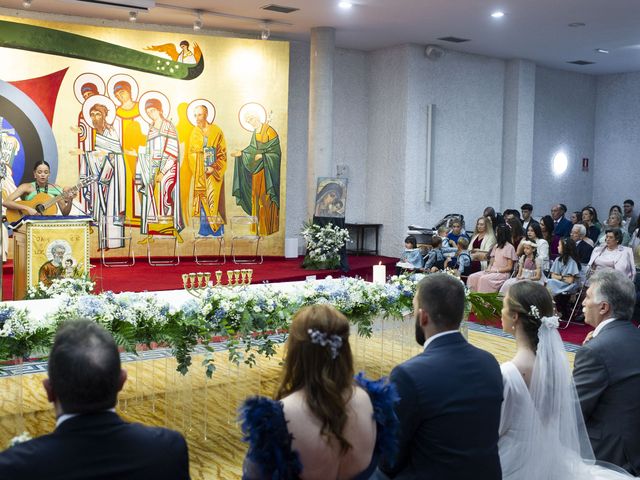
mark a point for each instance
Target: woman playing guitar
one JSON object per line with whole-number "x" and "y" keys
{"x": 27, "y": 191}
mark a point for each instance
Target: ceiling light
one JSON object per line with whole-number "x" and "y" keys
{"x": 577, "y": 24}
{"x": 26, "y": 3}
{"x": 601, "y": 50}
{"x": 345, "y": 5}
{"x": 266, "y": 33}
{"x": 197, "y": 23}
{"x": 133, "y": 16}
{"x": 497, "y": 14}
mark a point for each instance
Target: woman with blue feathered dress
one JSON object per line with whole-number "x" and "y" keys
{"x": 323, "y": 424}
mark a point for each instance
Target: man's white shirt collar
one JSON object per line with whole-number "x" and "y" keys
{"x": 441, "y": 334}
{"x": 601, "y": 325}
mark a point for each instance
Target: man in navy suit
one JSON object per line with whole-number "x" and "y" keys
{"x": 607, "y": 370}
{"x": 450, "y": 395}
{"x": 562, "y": 226}
{"x": 90, "y": 440}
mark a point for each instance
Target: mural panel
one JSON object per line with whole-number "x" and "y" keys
{"x": 181, "y": 132}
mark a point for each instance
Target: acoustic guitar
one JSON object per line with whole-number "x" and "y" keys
{"x": 45, "y": 204}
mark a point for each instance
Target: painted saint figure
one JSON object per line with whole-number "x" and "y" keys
{"x": 207, "y": 164}
{"x": 186, "y": 55}
{"x": 157, "y": 171}
{"x": 106, "y": 163}
{"x": 124, "y": 91}
{"x": 54, "y": 268}
{"x": 256, "y": 173}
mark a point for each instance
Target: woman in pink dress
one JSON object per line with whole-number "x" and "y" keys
{"x": 500, "y": 265}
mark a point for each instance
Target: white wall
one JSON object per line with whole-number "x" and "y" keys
{"x": 616, "y": 165}
{"x": 564, "y": 119}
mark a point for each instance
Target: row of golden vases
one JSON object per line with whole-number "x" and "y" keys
{"x": 194, "y": 282}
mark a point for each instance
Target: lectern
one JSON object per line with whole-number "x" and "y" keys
{"x": 45, "y": 248}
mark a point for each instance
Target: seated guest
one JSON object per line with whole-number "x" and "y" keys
{"x": 500, "y": 265}
{"x": 411, "y": 257}
{"x": 456, "y": 232}
{"x": 527, "y": 210}
{"x": 589, "y": 219}
{"x": 450, "y": 395}
{"x": 607, "y": 371}
{"x": 615, "y": 221}
{"x": 461, "y": 261}
{"x": 323, "y": 423}
{"x": 561, "y": 226}
{"x": 511, "y": 213}
{"x": 546, "y": 226}
{"x": 613, "y": 255}
{"x": 583, "y": 245}
{"x": 90, "y": 440}
{"x": 576, "y": 217}
{"x": 434, "y": 260}
{"x": 565, "y": 273}
{"x": 517, "y": 233}
{"x": 629, "y": 219}
{"x": 534, "y": 234}
{"x": 529, "y": 267}
{"x": 482, "y": 242}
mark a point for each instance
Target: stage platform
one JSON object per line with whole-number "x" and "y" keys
{"x": 144, "y": 277}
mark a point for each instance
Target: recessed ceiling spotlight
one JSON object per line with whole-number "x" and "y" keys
{"x": 133, "y": 16}
{"x": 266, "y": 32}
{"x": 497, "y": 14}
{"x": 345, "y": 5}
{"x": 602, "y": 50}
{"x": 197, "y": 23}
{"x": 577, "y": 24}
{"x": 26, "y": 3}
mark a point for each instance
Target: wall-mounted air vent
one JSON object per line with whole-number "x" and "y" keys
{"x": 454, "y": 39}
{"x": 581, "y": 62}
{"x": 279, "y": 8}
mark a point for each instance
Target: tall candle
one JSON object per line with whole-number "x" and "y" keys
{"x": 379, "y": 273}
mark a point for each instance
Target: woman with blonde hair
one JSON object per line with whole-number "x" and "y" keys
{"x": 481, "y": 244}
{"x": 323, "y": 423}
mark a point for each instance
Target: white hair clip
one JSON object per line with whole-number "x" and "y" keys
{"x": 334, "y": 342}
{"x": 534, "y": 312}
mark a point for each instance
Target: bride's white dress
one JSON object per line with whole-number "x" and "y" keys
{"x": 542, "y": 432}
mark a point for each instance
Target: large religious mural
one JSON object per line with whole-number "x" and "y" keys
{"x": 167, "y": 134}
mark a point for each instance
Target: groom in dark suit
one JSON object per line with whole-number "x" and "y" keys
{"x": 607, "y": 371}
{"x": 450, "y": 395}
{"x": 90, "y": 440}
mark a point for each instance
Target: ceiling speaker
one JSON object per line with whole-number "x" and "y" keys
{"x": 434, "y": 52}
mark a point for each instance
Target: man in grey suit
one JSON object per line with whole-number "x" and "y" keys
{"x": 450, "y": 395}
{"x": 607, "y": 371}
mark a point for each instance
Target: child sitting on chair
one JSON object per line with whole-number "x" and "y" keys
{"x": 411, "y": 258}
{"x": 435, "y": 257}
{"x": 461, "y": 261}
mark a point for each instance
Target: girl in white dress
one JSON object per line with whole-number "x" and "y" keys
{"x": 542, "y": 432}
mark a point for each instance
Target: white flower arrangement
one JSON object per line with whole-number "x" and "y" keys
{"x": 62, "y": 287}
{"x": 243, "y": 317}
{"x": 323, "y": 245}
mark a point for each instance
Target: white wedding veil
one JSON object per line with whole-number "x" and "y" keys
{"x": 562, "y": 435}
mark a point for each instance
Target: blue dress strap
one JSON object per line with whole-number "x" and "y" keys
{"x": 270, "y": 455}
{"x": 384, "y": 396}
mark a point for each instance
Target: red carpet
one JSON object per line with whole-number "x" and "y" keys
{"x": 574, "y": 333}
{"x": 143, "y": 276}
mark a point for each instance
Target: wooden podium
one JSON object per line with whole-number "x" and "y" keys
{"x": 45, "y": 248}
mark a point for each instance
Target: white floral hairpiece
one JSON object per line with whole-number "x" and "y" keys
{"x": 333, "y": 341}
{"x": 534, "y": 312}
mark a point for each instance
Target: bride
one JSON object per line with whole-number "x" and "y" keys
{"x": 542, "y": 432}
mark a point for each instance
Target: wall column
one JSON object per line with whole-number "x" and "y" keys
{"x": 320, "y": 137}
